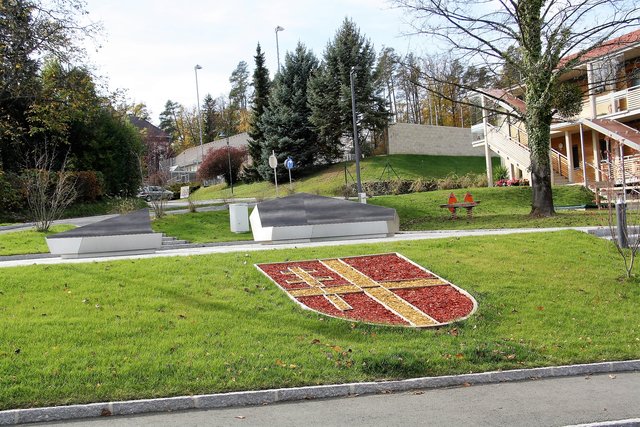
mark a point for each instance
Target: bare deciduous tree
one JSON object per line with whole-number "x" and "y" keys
{"x": 541, "y": 40}
{"x": 49, "y": 189}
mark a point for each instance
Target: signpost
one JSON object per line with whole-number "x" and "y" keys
{"x": 273, "y": 164}
{"x": 289, "y": 165}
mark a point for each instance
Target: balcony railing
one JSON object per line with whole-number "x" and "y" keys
{"x": 613, "y": 103}
{"x": 631, "y": 169}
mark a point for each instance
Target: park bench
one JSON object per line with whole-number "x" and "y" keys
{"x": 453, "y": 205}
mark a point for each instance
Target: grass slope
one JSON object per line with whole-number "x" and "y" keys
{"x": 28, "y": 242}
{"x": 500, "y": 207}
{"x": 186, "y": 325}
{"x": 329, "y": 181}
{"x": 199, "y": 227}
{"x": 505, "y": 207}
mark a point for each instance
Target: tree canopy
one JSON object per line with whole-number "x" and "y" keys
{"x": 539, "y": 41}
{"x": 330, "y": 91}
{"x": 285, "y": 122}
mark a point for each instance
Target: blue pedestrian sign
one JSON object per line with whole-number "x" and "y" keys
{"x": 289, "y": 163}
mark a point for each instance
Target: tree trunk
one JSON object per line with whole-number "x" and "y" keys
{"x": 542, "y": 198}
{"x": 538, "y": 129}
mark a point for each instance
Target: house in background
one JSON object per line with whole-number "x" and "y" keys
{"x": 601, "y": 146}
{"x": 183, "y": 166}
{"x": 157, "y": 144}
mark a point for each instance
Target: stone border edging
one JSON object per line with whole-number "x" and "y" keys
{"x": 242, "y": 398}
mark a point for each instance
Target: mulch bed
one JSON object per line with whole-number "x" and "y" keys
{"x": 382, "y": 289}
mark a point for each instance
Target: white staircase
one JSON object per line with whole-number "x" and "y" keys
{"x": 508, "y": 148}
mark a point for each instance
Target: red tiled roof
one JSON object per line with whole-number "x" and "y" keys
{"x": 507, "y": 98}
{"x": 607, "y": 47}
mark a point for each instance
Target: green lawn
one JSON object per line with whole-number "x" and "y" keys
{"x": 199, "y": 227}
{"x": 500, "y": 207}
{"x": 329, "y": 181}
{"x": 203, "y": 324}
{"x": 505, "y": 207}
{"x": 28, "y": 242}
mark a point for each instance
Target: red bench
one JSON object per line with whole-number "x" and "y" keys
{"x": 453, "y": 205}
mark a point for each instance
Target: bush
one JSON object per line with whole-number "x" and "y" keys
{"x": 500, "y": 173}
{"x": 449, "y": 182}
{"x": 216, "y": 163}
{"x": 89, "y": 185}
{"x": 175, "y": 188}
{"x": 384, "y": 188}
{"x": 12, "y": 198}
{"x": 512, "y": 183}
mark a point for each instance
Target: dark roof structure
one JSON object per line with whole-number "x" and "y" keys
{"x": 152, "y": 130}
{"x": 137, "y": 222}
{"x": 309, "y": 209}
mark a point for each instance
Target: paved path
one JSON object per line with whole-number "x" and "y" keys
{"x": 250, "y": 246}
{"x": 548, "y": 402}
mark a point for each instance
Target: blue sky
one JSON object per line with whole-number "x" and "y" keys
{"x": 150, "y": 48}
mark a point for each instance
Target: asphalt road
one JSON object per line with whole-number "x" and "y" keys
{"x": 548, "y": 402}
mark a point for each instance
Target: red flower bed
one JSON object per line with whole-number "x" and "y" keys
{"x": 391, "y": 281}
{"x": 387, "y": 267}
{"x": 443, "y": 303}
{"x": 278, "y": 273}
{"x": 365, "y": 309}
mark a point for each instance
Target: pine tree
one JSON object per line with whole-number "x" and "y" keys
{"x": 239, "y": 86}
{"x": 168, "y": 119}
{"x": 285, "y": 121}
{"x": 211, "y": 121}
{"x": 261, "y": 86}
{"x": 330, "y": 90}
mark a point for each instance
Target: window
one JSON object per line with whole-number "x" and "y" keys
{"x": 605, "y": 74}
{"x": 576, "y": 156}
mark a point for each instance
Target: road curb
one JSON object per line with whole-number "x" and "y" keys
{"x": 243, "y": 398}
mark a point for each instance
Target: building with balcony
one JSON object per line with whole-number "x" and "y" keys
{"x": 601, "y": 146}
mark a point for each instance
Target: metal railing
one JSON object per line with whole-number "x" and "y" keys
{"x": 614, "y": 102}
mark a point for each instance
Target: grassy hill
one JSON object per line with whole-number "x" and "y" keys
{"x": 329, "y": 181}
{"x": 500, "y": 207}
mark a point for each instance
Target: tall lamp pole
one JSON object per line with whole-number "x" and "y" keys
{"x": 355, "y": 134}
{"x": 195, "y": 69}
{"x": 278, "y": 28}
{"x": 222, "y": 134}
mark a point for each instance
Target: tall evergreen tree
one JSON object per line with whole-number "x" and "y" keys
{"x": 285, "y": 122}
{"x": 168, "y": 119}
{"x": 211, "y": 121}
{"x": 330, "y": 90}
{"x": 261, "y": 86}
{"x": 239, "y": 86}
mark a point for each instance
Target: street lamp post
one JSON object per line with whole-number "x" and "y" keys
{"x": 278, "y": 28}
{"x": 355, "y": 135}
{"x": 222, "y": 134}
{"x": 229, "y": 159}
{"x": 195, "y": 69}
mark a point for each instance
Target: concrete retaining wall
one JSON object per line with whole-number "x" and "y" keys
{"x": 405, "y": 138}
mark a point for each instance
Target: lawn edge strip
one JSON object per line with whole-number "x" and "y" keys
{"x": 260, "y": 397}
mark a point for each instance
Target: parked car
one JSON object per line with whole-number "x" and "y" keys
{"x": 152, "y": 192}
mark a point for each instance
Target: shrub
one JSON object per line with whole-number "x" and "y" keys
{"x": 123, "y": 205}
{"x": 500, "y": 173}
{"x": 216, "y": 163}
{"x": 421, "y": 184}
{"x": 471, "y": 180}
{"x": 512, "y": 183}
{"x": 89, "y": 185}
{"x": 450, "y": 182}
{"x": 175, "y": 187}
{"x": 12, "y": 198}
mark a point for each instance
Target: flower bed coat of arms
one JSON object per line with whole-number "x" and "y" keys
{"x": 383, "y": 288}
